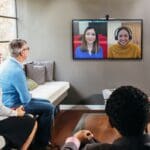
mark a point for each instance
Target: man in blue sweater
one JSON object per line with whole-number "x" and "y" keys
{"x": 15, "y": 91}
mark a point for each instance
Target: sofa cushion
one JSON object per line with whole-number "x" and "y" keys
{"x": 48, "y": 68}
{"x": 31, "y": 84}
{"x": 50, "y": 90}
{"x": 36, "y": 72}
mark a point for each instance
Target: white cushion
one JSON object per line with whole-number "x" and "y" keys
{"x": 50, "y": 90}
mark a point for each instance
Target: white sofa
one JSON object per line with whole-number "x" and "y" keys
{"x": 42, "y": 72}
{"x": 54, "y": 91}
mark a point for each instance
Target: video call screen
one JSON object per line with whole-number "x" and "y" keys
{"x": 98, "y": 39}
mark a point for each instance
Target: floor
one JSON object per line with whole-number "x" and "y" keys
{"x": 65, "y": 122}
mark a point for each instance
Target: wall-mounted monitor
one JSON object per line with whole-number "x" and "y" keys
{"x": 98, "y": 39}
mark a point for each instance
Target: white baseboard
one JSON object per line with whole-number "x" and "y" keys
{"x": 82, "y": 107}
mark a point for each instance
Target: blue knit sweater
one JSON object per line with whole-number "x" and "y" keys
{"x": 13, "y": 83}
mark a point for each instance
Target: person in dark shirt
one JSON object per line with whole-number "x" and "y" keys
{"x": 127, "y": 109}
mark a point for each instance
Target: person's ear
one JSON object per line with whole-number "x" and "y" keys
{"x": 21, "y": 53}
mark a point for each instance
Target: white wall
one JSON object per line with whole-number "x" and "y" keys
{"x": 46, "y": 25}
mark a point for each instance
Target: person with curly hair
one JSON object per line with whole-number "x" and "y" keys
{"x": 124, "y": 48}
{"x": 127, "y": 109}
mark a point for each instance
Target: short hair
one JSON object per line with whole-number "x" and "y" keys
{"x": 15, "y": 46}
{"x": 123, "y": 28}
{"x": 127, "y": 108}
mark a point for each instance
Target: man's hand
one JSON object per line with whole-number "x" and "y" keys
{"x": 20, "y": 111}
{"x": 83, "y": 135}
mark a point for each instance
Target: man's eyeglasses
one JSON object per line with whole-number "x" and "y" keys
{"x": 24, "y": 49}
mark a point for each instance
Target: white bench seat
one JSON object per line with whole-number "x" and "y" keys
{"x": 54, "y": 91}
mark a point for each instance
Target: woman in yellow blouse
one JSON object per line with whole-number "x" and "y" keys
{"x": 124, "y": 48}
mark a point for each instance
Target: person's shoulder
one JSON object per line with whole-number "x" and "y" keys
{"x": 78, "y": 52}
{"x": 134, "y": 45}
{"x": 100, "y": 48}
{"x": 102, "y": 146}
{"x": 14, "y": 67}
{"x": 113, "y": 46}
{"x": 9, "y": 65}
{"x": 11, "y": 62}
{"x": 78, "y": 48}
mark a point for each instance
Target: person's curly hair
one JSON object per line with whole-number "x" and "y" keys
{"x": 127, "y": 109}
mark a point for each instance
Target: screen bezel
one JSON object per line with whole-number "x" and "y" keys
{"x": 140, "y": 21}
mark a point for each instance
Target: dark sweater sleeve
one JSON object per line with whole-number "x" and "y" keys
{"x": 69, "y": 146}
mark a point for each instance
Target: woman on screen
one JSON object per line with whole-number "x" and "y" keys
{"x": 89, "y": 48}
{"x": 124, "y": 48}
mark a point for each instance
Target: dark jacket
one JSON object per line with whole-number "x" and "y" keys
{"x": 125, "y": 143}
